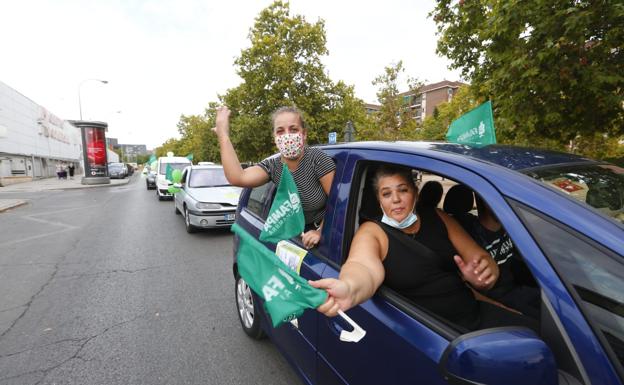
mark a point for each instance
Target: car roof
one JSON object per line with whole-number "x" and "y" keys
{"x": 205, "y": 166}
{"x": 512, "y": 157}
{"x": 173, "y": 159}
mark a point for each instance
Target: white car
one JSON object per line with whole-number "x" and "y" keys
{"x": 162, "y": 183}
{"x": 206, "y": 198}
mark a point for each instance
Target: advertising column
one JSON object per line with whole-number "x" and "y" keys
{"x": 94, "y": 151}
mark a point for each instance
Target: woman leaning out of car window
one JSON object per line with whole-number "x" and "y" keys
{"x": 418, "y": 254}
{"x": 312, "y": 170}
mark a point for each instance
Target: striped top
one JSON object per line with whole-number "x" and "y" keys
{"x": 314, "y": 165}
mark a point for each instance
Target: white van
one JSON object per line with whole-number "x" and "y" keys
{"x": 176, "y": 163}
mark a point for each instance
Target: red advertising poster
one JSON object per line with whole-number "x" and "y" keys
{"x": 96, "y": 146}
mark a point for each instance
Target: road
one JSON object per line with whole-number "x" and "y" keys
{"x": 104, "y": 286}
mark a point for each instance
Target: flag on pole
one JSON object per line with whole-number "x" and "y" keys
{"x": 286, "y": 295}
{"x": 169, "y": 172}
{"x": 190, "y": 157}
{"x": 474, "y": 127}
{"x": 151, "y": 159}
{"x": 285, "y": 219}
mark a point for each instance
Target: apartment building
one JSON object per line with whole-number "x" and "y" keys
{"x": 425, "y": 101}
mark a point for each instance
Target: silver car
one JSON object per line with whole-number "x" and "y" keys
{"x": 206, "y": 198}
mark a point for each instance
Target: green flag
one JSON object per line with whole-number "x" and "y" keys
{"x": 151, "y": 159}
{"x": 286, "y": 295}
{"x": 285, "y": 219}
{"x": 168, "y": 173}
{"x": 474, "y": 127}
{"x": 190, "y": 157}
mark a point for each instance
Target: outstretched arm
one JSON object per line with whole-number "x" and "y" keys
{"x": 360, "y": 276}
{"x": 476, "y": 265}
{"x": 235, "y": 174}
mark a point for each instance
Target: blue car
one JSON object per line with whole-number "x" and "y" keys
{"x": 564, "y": 214}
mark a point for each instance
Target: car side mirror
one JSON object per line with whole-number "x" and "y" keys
{"x": 506, "y": 355}
{"x": 178, "y": 185}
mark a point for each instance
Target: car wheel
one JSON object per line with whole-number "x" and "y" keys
{"x": 147, "y": 185}
{"x": 248, "y": 315}
{"x": 158, "y": 195}
{"x": 187, "y": 222}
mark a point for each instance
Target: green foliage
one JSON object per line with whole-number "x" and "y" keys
{"x": 283, "y": 68}
{"x": 394, "y": 120}
{"x": 554, "y": 70}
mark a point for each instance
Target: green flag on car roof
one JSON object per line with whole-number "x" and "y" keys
{"x": 190, "y": 157}
{"x": 285, "y": 219}
{"x": 286, "y": 295}
{"x": 476, "y": 127}
{"x": 151, "y": 159}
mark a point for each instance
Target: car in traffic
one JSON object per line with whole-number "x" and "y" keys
{"x": 117, "y": 170}
{"x": 150, "y": 178}
{"x": 162, "y": 164}
{"x": 564, "y": 214}
{"x": 206, "y": 199}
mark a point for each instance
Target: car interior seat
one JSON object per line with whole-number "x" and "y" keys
{"x": 459, "y": 201}
{"x": 431, "y": 194}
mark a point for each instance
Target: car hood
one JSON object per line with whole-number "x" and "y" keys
{"x": 226, "y": 194}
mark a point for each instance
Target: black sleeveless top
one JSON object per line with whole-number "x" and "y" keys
{"x": 421, "y": 268}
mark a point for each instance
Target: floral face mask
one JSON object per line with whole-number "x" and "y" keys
{"x": 290, "y": 145}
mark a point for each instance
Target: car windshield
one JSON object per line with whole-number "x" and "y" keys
{"x": 208, "y": 178}
{"x": 599, "y": 185}
{"x": 115, "y": 167}
{"x": 174, "y": 166}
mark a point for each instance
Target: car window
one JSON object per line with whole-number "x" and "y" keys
{"x": 595, "y": 275}
{"x": 174, "y": 166}
{"x": 258, "y": 200}
{"x": 599, "y": 185}
{"x": 184, "y": 175}
{"x": 210, "y": 177}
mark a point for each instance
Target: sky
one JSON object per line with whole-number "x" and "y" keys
{"x": 167, "y": 58}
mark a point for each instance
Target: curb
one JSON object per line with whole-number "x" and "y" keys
{"x": 12, "y": 205}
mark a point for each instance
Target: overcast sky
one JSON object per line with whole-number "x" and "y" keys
{"x": 165, "y": 58}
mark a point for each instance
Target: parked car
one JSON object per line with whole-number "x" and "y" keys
{"x": 564, "y": 213}
{"x": 117, "y": 170}
{"x": 129, "y": 168}
{"x": 206, "y": 198}
{"x": 162, "y": 183}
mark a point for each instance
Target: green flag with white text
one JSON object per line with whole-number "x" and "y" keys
{"x": 286, "y": 295}
{"x": 285, "y": 219}
{"x": 475, "y": 127}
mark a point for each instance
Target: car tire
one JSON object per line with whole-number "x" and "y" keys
{"x": 187, "y": 222}
{"x": 247, "y": 309}
{"x": 176, "y": 208}
{"x": 160, "y": 197}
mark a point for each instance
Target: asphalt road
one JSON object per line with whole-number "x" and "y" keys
{"x": 104, "y": 286}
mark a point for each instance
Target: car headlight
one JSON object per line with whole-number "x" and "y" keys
{"x": 207, "y": 206}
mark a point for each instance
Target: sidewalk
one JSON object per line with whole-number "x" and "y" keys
{"x": 48, "y": 184}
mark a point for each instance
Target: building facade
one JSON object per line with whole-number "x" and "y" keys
{"x": 429, "y": 96}
{"x": 33, "y": 141}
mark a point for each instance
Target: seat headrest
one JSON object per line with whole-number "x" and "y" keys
{"x": 459, "y": 200}
{"x": 430, "y": 194}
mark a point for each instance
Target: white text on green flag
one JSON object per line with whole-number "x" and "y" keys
{"x": 286, "y": 295}
{"x": 285, "y": 219}
{"x": 475, "y": 127}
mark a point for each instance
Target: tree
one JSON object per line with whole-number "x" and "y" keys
{"x": 553, "y": 69}
{"x": 281, "y": 68}
{"x": 395, "y": 118}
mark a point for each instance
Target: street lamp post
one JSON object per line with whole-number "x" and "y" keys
{"x": 79, "y": 89}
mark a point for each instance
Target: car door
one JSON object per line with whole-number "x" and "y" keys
{"x": 180, "y": 196}
{"x": 297, "y": 340}
{"x": 404, "y": 344}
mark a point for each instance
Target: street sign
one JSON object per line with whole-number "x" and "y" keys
{"x": 332, "y": 138}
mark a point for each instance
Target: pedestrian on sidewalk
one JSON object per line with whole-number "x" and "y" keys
{"x": 59, "y": 170}
{"x": 70, "y": 168}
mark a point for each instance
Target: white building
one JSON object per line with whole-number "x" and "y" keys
{"x": 33, "y": 140}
